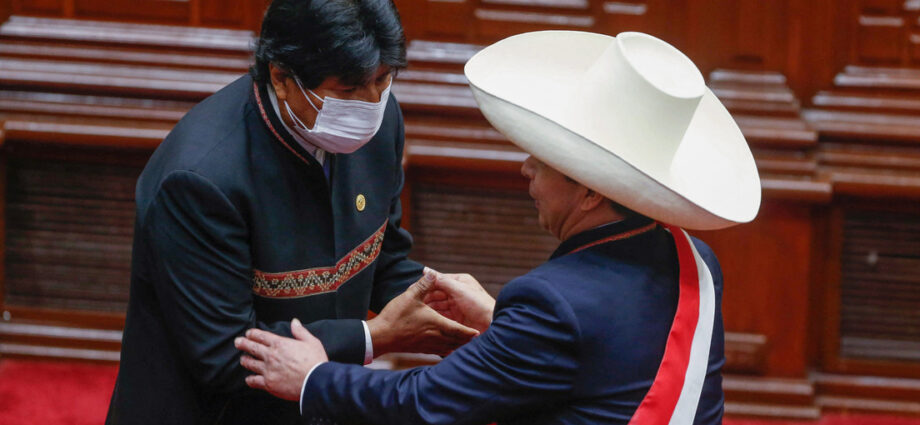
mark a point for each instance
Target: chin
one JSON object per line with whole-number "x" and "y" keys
{"x": 543, "y": 224}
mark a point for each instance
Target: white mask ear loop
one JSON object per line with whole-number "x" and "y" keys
{"x": 294, "y": 118}
{"x": 300, "y": 86}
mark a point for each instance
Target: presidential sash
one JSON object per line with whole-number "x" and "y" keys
{"x": 675, "y": 393}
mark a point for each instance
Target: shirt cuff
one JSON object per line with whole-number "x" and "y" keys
{"x": 303, "y": 388}
{"x": 368, "y": 344}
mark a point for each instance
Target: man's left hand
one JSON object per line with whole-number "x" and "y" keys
{"x": 460, "y": 297}
{"x": 280, "y": 364}
{"x": 407, "y": 324}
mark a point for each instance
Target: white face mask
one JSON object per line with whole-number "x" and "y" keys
{"x": 342, "y": 126}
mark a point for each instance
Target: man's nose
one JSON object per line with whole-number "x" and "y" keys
{"x": 527, "y": 167}
{"x": 374, "y": 94}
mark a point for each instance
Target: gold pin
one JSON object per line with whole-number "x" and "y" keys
{"x": 360, "y": 202}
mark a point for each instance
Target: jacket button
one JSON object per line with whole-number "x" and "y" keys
{"x": 360, "y": 202}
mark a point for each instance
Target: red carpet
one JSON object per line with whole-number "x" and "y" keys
{"x": 832, "y": 419}
{"x": 54, "y": 393}
{"x": 72, "y": 393}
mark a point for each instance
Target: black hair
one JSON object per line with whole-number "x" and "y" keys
{"x": 316, "y": 39}
{"x": 622, "y": 210}
{"x": 615, "y": 206}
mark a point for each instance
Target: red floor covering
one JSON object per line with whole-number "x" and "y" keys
{"x": 71, "y": 393}
{"x": 54, "y": 393}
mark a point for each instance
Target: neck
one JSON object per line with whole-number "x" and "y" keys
{"x": 589, "y": 220}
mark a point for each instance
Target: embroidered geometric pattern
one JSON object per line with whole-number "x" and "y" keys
{"x": 318, "y": 280}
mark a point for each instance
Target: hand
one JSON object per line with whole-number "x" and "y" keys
{"x": 280, "y": 364}
{"x": 460, "y": 297}
{"x": 406, "y": 324}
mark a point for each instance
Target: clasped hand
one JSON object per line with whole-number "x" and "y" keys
{"x": 407, "y": 324}
{"x": 435, "y": 315}
{"x": 461, "y": 298}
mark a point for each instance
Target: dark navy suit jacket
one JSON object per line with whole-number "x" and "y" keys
{"x": 237, "y": 227}
{"x": 577, "y": 340}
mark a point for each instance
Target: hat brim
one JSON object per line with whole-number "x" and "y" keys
{"x": 710, "y": 183}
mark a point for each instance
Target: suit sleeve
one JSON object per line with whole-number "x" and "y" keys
{"x": 201, "y": 270}
{"x": 395, "y": 271}
{"x": 525, "y": 362}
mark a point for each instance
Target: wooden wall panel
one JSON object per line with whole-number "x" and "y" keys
{"x": 493, "y": 22}
{"x": 246, "y": 14}
{"x": 851, "y": 285}
{"x": 885, "y": 32}
{"x": 880, "y": 286}
{"x": 743, "y": 34}
{"x": 441, "y": 18}
{"x": 487, "y": 21}
{"x": 490, "y": 233}
{"x": 914, "y": 50}
{"x": 43, "y": 7}
{"x": 880, "y": 7}
{"x": 619, "y": 16}
{"x": 763, "y": 37}
{"x": 6, "y": 8}
{"x": 224, "y": 13}
{"x": 3, "y": 196}
{"x": 814, "y": 62}
{"x": 412, "y": 11}
{"x": 881, "y": 40}
{"x": 160, "y": 11}
{"x": 766, "y": 267}
{"x": 235, "y": 14}
{"x": 759, "y": 35}
{"x": 69, "y": 228}
{"x": 667, "y": 19}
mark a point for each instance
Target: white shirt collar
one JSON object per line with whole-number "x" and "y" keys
{"x": 317, "y": 153}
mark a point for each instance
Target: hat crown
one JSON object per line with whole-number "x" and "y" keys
{"x": 643, "y": 89}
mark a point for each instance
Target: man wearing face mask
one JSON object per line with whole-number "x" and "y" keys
{"x": 276, "y": 198}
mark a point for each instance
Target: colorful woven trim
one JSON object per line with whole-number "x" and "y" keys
{"x": 268, "y": 122}
{"x": 319, "y": 280}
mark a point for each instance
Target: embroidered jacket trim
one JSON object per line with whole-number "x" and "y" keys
{"x": 319, "y": 280}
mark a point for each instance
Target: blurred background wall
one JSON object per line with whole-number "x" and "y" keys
{"x": 822, "y": 293}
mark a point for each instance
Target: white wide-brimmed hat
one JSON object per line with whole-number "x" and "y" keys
{"x": 627, "y": 116}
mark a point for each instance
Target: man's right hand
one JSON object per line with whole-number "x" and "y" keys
{"x": 407, "y": 324}
{"x": 460, "y": 297}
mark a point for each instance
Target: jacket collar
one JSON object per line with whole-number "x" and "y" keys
{"x": 606, "y": 233}
{"x": 276, "y": 127}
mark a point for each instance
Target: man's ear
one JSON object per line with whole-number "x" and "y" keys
{"x": 592, "y": 200}
{"x": 279, "y": 79}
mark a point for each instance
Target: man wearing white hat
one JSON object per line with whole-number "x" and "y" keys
{"x": 623, "y": 323}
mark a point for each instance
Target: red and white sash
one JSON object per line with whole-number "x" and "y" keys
{"x": 675, "y": 393}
